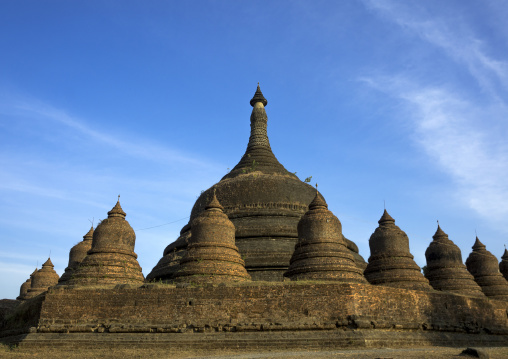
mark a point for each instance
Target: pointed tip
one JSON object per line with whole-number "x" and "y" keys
{"x": 505, "y": 254}
{"x": 478, "y": 245}
{"x": 386, "y": 218}
{"x": 258, "y": 97}
{"x": 88, "y": 235}
{"x": 214, "y": 203}
{"x": 439, "y": 233}
{"x": 35, "y": 271}
{"x": 48, "y": 263}
{"x": 318, "y": 202}
{"x": 117, "y": 210}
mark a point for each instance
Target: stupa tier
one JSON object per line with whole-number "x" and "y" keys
{"x": 321, "y": 253}
{"x": 212, "y": 255}
{"x": 43, "y": 279}
{"x": 484, "y": 267}
{"x": 25, "y": 287}
{"x": 111, "y": 259}
{"x": 263, "y": 200}
{"x": 445, "y": 269}
{"x": 390, "y": 262}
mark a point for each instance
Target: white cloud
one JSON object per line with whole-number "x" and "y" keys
{"x": 454, "y": 37}
{"x": 457, "y": 135}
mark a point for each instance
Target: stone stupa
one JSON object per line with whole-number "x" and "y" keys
{"x": 321, "y": 253}
{"x": 263, "y": 200}
{"x": 212, "y": 255}
{"x": 111, "y": 260}
{"x": 445, "y": 269}
{"x": 484, "y": 267}
{"x": 76, "y": 256}
{"x": 391, "y": 263}
{"x": 23, "y": 290}
{"x": 43, "y": 279}
{"x": 503, "y": 265}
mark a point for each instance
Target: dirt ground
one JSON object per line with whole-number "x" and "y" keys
{"x": 385, "y": 353}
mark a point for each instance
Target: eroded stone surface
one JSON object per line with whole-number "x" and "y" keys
{"x": 76, "y": 256}
{"x": 390, "y": 262}
{"x": 445, "y": 269}
{"x": 321, "y": 252}
{"x": 484, "y": 267}
{"x": 111, "y": 260}
{"x": 212, "y": 255}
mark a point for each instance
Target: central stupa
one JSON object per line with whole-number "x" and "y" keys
{"x": 263, "y": 200}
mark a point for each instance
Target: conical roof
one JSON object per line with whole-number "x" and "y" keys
{"x": 321, "y": 252}
{"x": 212, "y": 255}
{"x": 76, "y": 256}
{"x": 391, "y": 262}
{"x": 445, "y": 270}
{"x": 484, "y": 267}
{"x": 117, "y": 210}
{"x": 262, "y": 199}
{"x": 258, "y": 97}
{"x": 111, "y": 259}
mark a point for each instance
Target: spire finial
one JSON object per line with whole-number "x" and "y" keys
{"x": 117, "y": 210}
{"x": 384, "y": 205}
{"x": 258, "y": 97}
{"x": 214, "y": 203}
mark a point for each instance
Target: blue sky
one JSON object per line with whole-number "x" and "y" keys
{"x": 398, "y": 101}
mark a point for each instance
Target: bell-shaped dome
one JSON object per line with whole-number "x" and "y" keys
{"x": 76, "y": 256}
{"x": 445, "y": 270}
{"x": 321, "y": 252}
{"x": 391, "y": 263}
{"x": 503, "y": 265}
{"x": 484, "y": 267}
{"x": 262, "y": 199}
{"x": 23, "y": 290}
{"x": 111, "y": 260}
{"x": 212, "y": 255}
{"x": 43, "y": 279}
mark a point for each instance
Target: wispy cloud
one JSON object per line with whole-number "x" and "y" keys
{"x": 452, "y": 131}
{"x": 454, "y": 37}
{"x": 136, "y": 147}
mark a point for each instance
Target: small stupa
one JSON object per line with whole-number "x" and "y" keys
{"x": 76, "y": 256}
{"x": 111, "y": 260}
{"x": 23, "y": 290}
{"x": 503, "y": 266}
{"x": 391, "y": 263}
{"x": 43, "y": 279}
{"x": 484, "y": 267}
{"x": 212, "y": 255}
{"x": 445, "y": 269}
{"x": 321, "y": 252}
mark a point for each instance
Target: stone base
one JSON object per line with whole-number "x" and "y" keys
{"x": 255, "y": 314}
{"x": 292, "y": 340}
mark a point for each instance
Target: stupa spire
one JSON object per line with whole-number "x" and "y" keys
{"x": 259, "y": 156}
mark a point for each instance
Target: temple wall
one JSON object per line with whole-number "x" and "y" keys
{"x": 274, "y": 306}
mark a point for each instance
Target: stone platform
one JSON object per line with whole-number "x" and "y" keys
{"x": 257, "y": 314}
